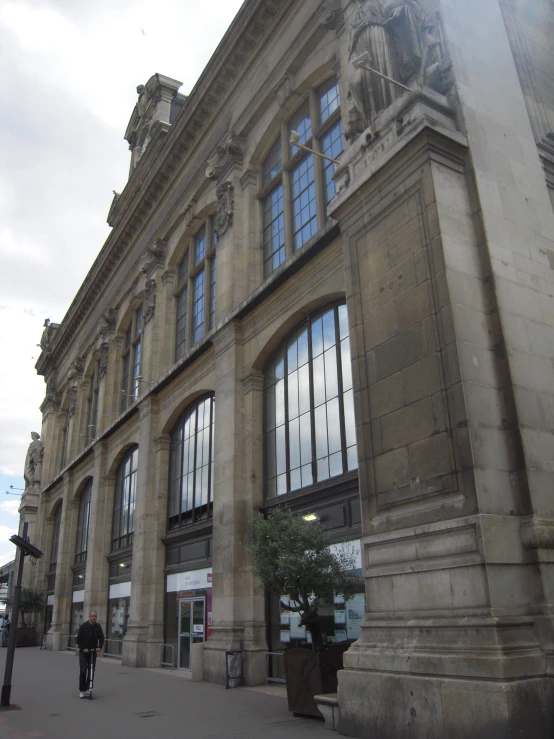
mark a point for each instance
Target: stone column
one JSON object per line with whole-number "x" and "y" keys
{"x": 64, "y": 568}
{"x": 99, "y": 537}
{"x": 141, "y": 645}
{"x": 451, "y": 637}
{"x": 232, "y": 578}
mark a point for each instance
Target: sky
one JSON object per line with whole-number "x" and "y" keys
{"x": 67, "y": 91}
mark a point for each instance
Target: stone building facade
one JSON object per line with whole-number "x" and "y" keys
{"x": 366, "y": 335}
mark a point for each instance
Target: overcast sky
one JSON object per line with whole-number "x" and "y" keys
{"x": 67, "y": 90}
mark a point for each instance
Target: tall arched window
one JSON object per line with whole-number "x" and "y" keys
{"x": 191, "y": 465}
{"x": 82, "y": 524}
{"x": 309, "y": 407}
{"x": 124, "y": 503}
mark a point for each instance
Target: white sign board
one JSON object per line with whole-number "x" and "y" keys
{"x": 192, "y": 580}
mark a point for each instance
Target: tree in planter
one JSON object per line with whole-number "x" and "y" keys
{"x": 30, "y": 603}
{"x": 291, "y": 555}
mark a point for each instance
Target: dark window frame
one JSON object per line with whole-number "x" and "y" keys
{"x": 124, "y": 506}
{"x": 81, "y": 544}
{"x": 283, "y": 160}
{"x": 177, "y": 517}
{"x": 190, "y": 268}
{"x": 281, "y": 354}
{"x": 92, "y": 404}
{"x": 131, "y": 359}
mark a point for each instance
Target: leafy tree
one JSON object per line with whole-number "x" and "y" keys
{"x": 290, "y": 555}
{"x": 30, "y": 602}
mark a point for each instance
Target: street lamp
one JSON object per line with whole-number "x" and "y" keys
{"x": 26, "y": 549}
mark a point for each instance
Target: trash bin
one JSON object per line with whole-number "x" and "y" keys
{"x": 233, "y": 669}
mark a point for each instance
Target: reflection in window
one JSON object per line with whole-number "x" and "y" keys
{"x": 124, "y": 503}
{"x": 130, "y": 381}
{"x": 82, "y": 524}
{"x": 191, "y": 466}
{"x": 309, "y": 404}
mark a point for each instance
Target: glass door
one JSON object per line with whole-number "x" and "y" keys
{"x": 191, "y": 627}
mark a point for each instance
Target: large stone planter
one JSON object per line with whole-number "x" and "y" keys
{"x": 309, "y": 673}
{"x": 26, "y": 637}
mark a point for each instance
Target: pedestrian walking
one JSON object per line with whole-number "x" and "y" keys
{"x": 90, "y": 639}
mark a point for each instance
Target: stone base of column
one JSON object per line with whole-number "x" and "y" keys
{"x": 222, "y": 639}
{"x": 56, "y": 638}
{"x": 401, "y": 706}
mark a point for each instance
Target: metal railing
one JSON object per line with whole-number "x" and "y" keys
{"x": 107, "y": 651}
{"x": 268, "y": 670}
{"x": 163, "y": 663}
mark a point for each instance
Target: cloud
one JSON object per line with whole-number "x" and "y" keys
{"x": 11, "y": 507}
{"x": 7, "y": 550}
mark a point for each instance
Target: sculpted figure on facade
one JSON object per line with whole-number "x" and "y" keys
{"x": 225, "y": 208}
{"x": 33, "y": 461}
{"x": 398, "y": 45}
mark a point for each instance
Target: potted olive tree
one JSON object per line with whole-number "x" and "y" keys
{"x": 291, "y": 556}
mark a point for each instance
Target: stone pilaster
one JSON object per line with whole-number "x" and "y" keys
{"x": 450, "y": 637}
{"x": 232, "y": 577}
{"x": 64, "y": 573}
{"x": 99, "y": 537}
{"x": 141, "y": 645}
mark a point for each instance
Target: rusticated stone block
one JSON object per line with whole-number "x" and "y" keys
{"x": 392, "y": 470}
{"x": 400, "y": 351}
{"x": 421, "y": 379}
{"x": 430, "y": 457}
{"x": 386, "y": 396}
{"x": 409, "y": 424}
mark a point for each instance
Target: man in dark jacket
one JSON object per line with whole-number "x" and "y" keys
{"x": 90, "y": 639}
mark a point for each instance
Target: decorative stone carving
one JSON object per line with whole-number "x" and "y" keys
{"x": 537, "y": 532}
{"x": 149, "y": 300}
{"x": 331, "y": 16}
{"x": 76, "y": 369}
{"x": 48, "y": 335}
{"x": 72, "y": 394}
{"x": 225, "y": 206}
{"x": 103, "y": 364}
{"x": 284, "y": 89}
{"x": 399, "y": 44}
{"x": 107, "y": 322}
{"x": 154, "y": 255}
{"x": 229, "y": 153}
{"x": 33, "y": 461}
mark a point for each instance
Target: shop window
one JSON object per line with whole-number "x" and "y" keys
{"x": 195, "y": 293}
{"x": 309, "y": 405}
{"x": 296, "y": 186}
{"x": 124, "y": 502}
{"x": 131, "y": 360}
{"x": 191, "y": 466}
{"x": 82, "y": 524}
{"x": 118, "y": 621}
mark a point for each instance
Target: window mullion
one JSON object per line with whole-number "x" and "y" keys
{"x": 194, "y": 465}
{"x": 287, "y": 198}
{"x": 312, "y": 403}
{"x": 210, "y": 457}
{"x": 318, "y": 163}
{"x": 338, "y": 347}
{"x": 286, "y": 409}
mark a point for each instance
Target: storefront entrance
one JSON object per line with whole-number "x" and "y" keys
{"x": 192, "y": 619}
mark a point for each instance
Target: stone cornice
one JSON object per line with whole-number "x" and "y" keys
{"x": 165, "y": 153}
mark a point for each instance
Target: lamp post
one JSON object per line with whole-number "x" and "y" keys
{"x": 25, "y": 548}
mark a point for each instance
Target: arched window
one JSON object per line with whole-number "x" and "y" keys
{"x": 82, "y": 524}
{"x": 309, "y": 407}
{"x": 191, "y": 465}
{"x": 124, "y": 503}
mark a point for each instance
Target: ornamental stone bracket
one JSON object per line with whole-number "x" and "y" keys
{"x": 225, "y": 206}
{"x": 149, "y": 300}
{"x": 76, "y": 369}
{"x": 537, "y": 532}
{"x": 225, "y": 156}
{"x": 331, "y": 15}
{"x": 72, "y": 394}
{"x": 154, "y": 256}
{"x": 107, "y": 323}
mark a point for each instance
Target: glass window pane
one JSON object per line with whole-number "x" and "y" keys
{"x": 331, "y": 376}
{"x": 304, "y": 400}
{"x": 349, "y": 420}
{"x": 319, "y": 380}
{"x": 138, "y": 321}
{"x": 212, "y": 291}
{"x": 335, "y": 464}
{"x": 300, "y": 122}
{"x": 321, "y": 447}
{"x": 295, "y": 479}
{"x": 304, "y": 214}
{"x": 198, "y": 307}
{"x": 317, "y": 337}
{"x": 294, "y": 444}
{"x": 302, "y": 344}
{"x": 329, "y": 336}
{"x": 346, "y": 364}
{"x": 273, "y": 163}
{"x": 293, "y": 395}
{"x": 329, "y": 99}
{"x": 271, "y": 457}
{"x": 306, "y": 439}
{"x": 331, "y": 145}
{"x": 333, "y": 426}
{"x": 280, "y": 451}
{"x": 183, "y": 269}
{"x": 280, "y": 402}
{"x": 273, "y": 230}
{"x": 200, "y": 246}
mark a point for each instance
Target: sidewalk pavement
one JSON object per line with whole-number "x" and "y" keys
{"x": 45, "y": 687}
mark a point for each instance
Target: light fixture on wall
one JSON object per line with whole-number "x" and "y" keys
{"x": 81, "y": 577}
{"x": 311, "y": 517}
{"x": 295, "y": 141}
{"x": 362, "y": 62}
{"x": 122, "y": 564}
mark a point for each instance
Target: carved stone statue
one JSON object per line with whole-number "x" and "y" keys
{"x": 33, "y": 461}
{"x": 389, "y": 31}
